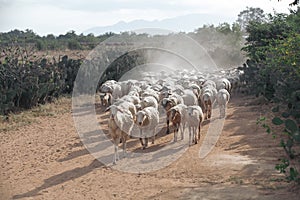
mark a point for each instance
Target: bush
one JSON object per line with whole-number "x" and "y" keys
{"x": 26, "y": 81}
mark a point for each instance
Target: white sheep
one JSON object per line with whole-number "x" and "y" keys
{"x": 116, "y": 92}
{"x": 209, "y": 83}
{"x": 223, "y": 97}
{"x": 107, "y": 86}
{"x": 224, "y": 83}
{"x": 133, "y": 99}
{"x": 194, "y": 118}
{"x": 150, "y": 92}
{"x": 125, "y": 105}
{"x": 147, "y": 121}
{"x": 149, "y": 101}
{"x": 189, "y": 98}
{"x": 120, "y": 125}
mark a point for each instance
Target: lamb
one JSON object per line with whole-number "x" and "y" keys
{"x": 178, "y": 118}
{"x": 147, "y": 121}
{"x": 223, "y": 97}
{"x": 194, "y": 118}
{"x": 120, "y": 125}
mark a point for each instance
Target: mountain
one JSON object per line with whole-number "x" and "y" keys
{"x": 184, "y": 23}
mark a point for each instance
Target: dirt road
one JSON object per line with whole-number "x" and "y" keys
{"x": 47, "y": 160}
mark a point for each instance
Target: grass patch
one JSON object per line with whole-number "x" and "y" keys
{"x": 16, "y": 120}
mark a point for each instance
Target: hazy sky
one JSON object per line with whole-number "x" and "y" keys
{"x": 58, "y": 17}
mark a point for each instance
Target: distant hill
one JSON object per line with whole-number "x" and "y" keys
{"x": 184, "y": 23}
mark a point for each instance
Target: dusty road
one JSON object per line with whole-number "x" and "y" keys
{"x": 47, "y": 160}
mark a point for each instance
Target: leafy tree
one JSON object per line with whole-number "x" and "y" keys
{"x": 250, "y": 15}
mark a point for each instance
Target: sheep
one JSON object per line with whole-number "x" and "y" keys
{"x": 134, "y": 89}
{"x": 150, "y": 92}
{"x": 223, "y": 97}
{"x": 194, "y": 118}
{"x": 125, "y": 105}
{"x": 168, "y": 103}
{"x": 133, "y": 99}
{"x": 208, "y": 83}
{"x": 117, "y": 91}
{"x": 189, "y": 98}
{"x": 224, "y": 83}
{"x": 106, "y": 99}
{"x": 196, "y": 89}
{"x": 235, "y": 84}
{"x": 207, "y": 100}
{"x": 120, "y": 125}
{"x": 107, "y": 87}
{"x": 149, "y": 101}
{"x": 178, "y": 118}
{"x": 147, "y": 121}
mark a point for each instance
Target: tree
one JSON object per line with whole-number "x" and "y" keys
{"x": 224, "y": 28}
{"x": 250, "y": 15}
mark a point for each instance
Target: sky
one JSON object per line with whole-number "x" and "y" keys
{"x": 58, "y": 17}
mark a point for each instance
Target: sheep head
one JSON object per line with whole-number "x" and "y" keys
{"x": 142, "y": 119}
{"x": 168, "y": 103}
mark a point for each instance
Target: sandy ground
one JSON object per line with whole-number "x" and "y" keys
{"x": 47, "y": 160}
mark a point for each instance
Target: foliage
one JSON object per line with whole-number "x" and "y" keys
{"x": 273, "y": 70}
{"x": 290, "y": 142}
{"x": 70, "y": 40}
{"x": 27, "y": 80}
{"x": 250, "y": 15}
{"x": 274, "y": 60}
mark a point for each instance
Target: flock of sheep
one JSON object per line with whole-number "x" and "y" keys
{"x": 185, "y": 98}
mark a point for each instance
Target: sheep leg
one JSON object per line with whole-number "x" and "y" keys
{"x": 190, "y": 134}
{"x": 116, "y": 156}
{"x": 124, "y": 146}
{"x": 195, "y": 135}
{"x": 209, "y": 112}
{"x": 182, "y": 127}
{"x": 199, "y": 130}
{"x": 142, "y": 143}
{"x": 153, "y": 137}
{"x": 168, "y": 127}
{"x": 146, "y": 142}
{"x": 175, "y": 132}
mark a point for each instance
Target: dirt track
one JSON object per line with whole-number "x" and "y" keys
{"x": 46, "y": 160}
